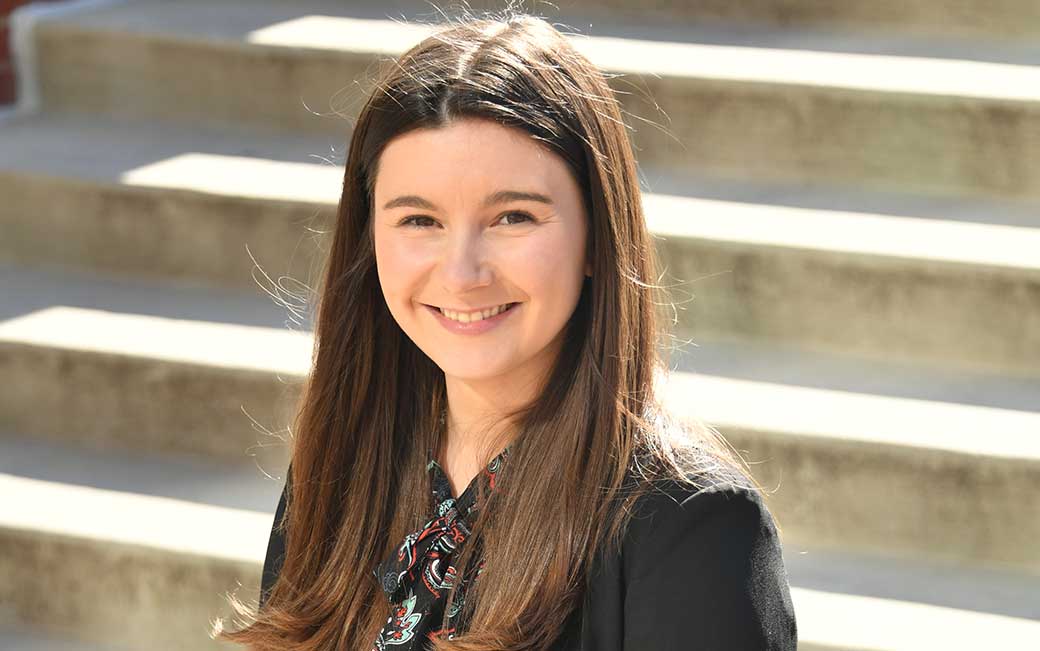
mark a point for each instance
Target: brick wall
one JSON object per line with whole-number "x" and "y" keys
{"x": 8, "y": 83}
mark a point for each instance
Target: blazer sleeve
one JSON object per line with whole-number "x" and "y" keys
{"x": 705, "y": 571}
{"x": 275, "y": 545}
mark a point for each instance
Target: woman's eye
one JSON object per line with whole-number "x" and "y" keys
{"x": 410, "y": 221}
{"x": 517, "y": 214}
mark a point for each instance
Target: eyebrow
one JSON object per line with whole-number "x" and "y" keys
{"x": 502, "y": 196}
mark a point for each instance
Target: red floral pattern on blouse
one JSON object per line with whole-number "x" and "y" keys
{"x": 418, "y": 575}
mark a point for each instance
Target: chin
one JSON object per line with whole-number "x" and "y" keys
{"x": 474, "y": 371}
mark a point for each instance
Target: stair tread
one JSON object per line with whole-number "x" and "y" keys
{"x": 147, "y": 474}
{"x": 900, "y": 403}
{"x": 28, "y": 289}
{"x": 166, "y": 155}
{"x": 33, "y": 640}
{"x": 842, "y": 621}
{"x": 127, "y": 517}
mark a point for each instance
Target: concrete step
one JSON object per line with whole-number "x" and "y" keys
{"x": 735, "y": 105}
{"x": 135, "y": 572}
{"x": 877, "y": 457}
{"x": 144, "y": 473}
{"x": 850, "y": 602}
{"x": 181, "y": 203}
{"x": 121, "y": 363}
{"x": 948, "y": 281}
{"x": 916, "y": 461}
{"x": 125, "y": 550}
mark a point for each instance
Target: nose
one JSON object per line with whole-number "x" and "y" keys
{"x": 464, "y": 263}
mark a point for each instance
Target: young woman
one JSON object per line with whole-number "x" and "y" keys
{"x": 480, "y": 458}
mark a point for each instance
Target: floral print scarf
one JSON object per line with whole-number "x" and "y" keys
{"x": 418, "y": 575}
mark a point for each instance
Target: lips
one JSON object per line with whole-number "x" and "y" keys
{"x": 502, "y": 307}
{"x": 472, "y": 327}
{"x": 469, "y": 310}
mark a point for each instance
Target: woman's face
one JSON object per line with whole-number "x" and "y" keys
{"x": 449, "y": 234}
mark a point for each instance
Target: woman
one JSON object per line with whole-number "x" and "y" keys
{"x": 504, "y": 479}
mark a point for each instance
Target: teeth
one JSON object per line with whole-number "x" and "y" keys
{"x": 464, "y": 317}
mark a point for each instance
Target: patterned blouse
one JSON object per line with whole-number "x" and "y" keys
{"x": 417, "y": 577}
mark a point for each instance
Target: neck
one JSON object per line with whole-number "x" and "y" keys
{"x": 462, "y": 456}
{"x": 476, "y": 428}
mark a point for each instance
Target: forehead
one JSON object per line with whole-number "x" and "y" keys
{"x": 469, "y": 154}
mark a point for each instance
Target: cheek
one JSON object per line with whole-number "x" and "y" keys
{"x": 557, "y": 257}
{"x": 552, "y": 272}
{"x": 394, "y": 267}
{"x": 534, "y": 268}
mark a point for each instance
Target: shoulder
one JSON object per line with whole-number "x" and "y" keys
{"x": 671, "y": 511}
{"x": 709, "y": 559}
{"x": 275, "y": 544}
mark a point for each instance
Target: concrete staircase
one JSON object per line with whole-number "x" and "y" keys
{"x": 851, "y": 195}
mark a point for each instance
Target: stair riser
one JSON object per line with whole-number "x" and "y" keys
{"x": 104, "y": 400}
{"x": 120, "y": 594}
{"x": 814, "y": 134}
{"x": 895, "y": 309}
{"x": 897, "y": 500}
{"x": 158, "y": 233}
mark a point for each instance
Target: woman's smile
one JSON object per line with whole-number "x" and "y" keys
{"x": 473, "y": 324}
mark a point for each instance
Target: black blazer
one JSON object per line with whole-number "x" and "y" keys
{"x": 698, "y": 570}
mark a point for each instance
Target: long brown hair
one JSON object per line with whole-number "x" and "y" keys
{"x": 580, "y": 454}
